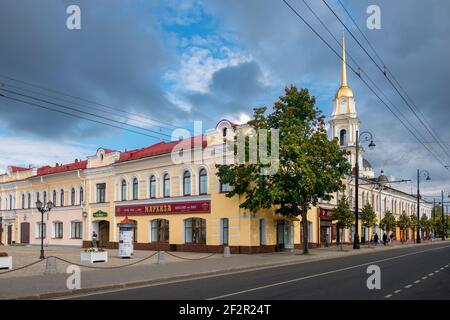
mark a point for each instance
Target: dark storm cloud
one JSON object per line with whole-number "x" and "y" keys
{"x": 116, "y": 58}
{"x": 233, "y": 90}
{"x": 414, "y": 42}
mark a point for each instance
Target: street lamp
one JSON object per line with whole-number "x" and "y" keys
{"x": 43, "y": 209}
{"x": 444, "y": 231}
{"x": 364, "y": 136}
{"x": 424, "y": 174}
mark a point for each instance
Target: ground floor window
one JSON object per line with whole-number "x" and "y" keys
{"x": 40, "y": 230}
{"x": 195, "y": 230}
{"x": 160, "y": 230}
{"x": 225, "y": 231}
{"x": 76, "y": 230}
{"x": 262, "y": 232}
{"x": 57, "y": 230}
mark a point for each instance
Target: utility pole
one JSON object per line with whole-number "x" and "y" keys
{"x": 443, "y": 226}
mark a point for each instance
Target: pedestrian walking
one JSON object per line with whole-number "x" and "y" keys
{"x": 375, "y": 239}
{"x": 384, "y": 238}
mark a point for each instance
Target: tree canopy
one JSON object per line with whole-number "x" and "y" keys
{"x": 311, "y": 166}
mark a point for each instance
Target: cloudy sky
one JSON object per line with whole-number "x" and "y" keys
{"x": 160, "y": 64}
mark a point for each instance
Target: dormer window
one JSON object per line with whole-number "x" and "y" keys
{"x": 102, "y": 156}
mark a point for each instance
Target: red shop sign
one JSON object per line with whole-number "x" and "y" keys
{"x": 325, "y": 214}
{"x": 164, "y": 208}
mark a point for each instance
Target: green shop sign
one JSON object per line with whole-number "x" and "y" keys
{"x": 100, "y": 214}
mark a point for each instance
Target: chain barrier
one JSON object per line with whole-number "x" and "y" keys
{"x": 106, "y": 268}
{"x": 114, "y": 267}
{"x": 23, "y": 267}
{"x": 191, "y": 259}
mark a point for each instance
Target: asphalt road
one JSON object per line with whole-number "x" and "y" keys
{"x": 413, "y": 272}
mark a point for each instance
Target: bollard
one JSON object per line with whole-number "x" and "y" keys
{"x": 50, "y": 266}
{"x": 161, "y": 258}
{"x": 226, "y": 252}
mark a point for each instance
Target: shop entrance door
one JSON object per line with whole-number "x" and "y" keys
{"x": 9, "y": 234}
{"x": 25, "y": 232}
{"x": 103, "y": 234}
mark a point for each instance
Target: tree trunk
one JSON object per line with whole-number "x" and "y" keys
{"x": 304, "y": 215}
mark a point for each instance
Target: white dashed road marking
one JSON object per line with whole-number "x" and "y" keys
{"x": 397, "y": 291}
{"x": 430, "y": 274}
{"x": 408, "y": 286}
{"x": 388, "y": 296}
{"x": 423, "y": 278}
{"x": 417, "y": 281}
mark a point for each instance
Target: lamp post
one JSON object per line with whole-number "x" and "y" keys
{"x": 364, "y": 136}
{"x": 426, "y": 175}
{"x": 43, "y": 209}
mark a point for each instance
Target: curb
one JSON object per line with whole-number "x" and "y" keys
{"x": 136, "y": 284}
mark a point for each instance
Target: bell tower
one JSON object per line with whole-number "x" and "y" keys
{"x": 344, "y": 123}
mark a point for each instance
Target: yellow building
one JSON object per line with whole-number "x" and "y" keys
{"x": 180, "y": 206}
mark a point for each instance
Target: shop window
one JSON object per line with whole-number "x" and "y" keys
{"x": 152, "y": 186}
{"x": 135, "y": 189}
{"x": 225, "y": 227}
{"x": 57, "y": 230}
{"x": 76, "y": 230}
{"x": 62, "y": 198}
{"x": 81, "y": 195}
{"x": 123, "y": 192}
{"x": 160, "y": 230}
{"x": 40, "y": 230}
{"x": 203, "y": 181}
{"x": 224, "y": 187}
{"x": 195, "y": 230}
{"x": 101, "y": 192}
{"x": 186, "y": 183}
{"x": 72, "y": 197}
{"x": 166, "y": 185}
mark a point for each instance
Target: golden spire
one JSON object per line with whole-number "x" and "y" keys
{"x": 344, "y": 89}
{"x": 344, "y": 66}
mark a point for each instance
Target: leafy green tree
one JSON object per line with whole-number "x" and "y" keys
{"x": 436, "y": 220}
{"x": 388, "y": 222}
{"x": 404, "y": 222}
{"x": 368, "y": 217}
{"x": 311, "y": 166}
{"x": 425, "y": 224}
{"x": 343, "y": 215}
{"x": 414, "y": 224}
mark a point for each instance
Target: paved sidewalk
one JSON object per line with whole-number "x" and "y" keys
{"x": 33, "y": 283}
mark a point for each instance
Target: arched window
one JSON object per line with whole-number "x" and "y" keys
{"x": 135, "y": 189}
{"x": 224, "y": 132}
{"x": 343, "y": 137}
{"x": 166, "y": 185}
{"x": 72, "y": 197}
{"x": 160, "y": 230}
{"x": 203, "y": 181}
{"x": 123, "y": 190}
{"x": 29, "y": 200}
{"x": 362, "y": 197}
{"x": 38, "y": 197}
{"x": 186, "y": 183}
{"x": 195, "y": 230}
{"x": 10, "y": 202}
{"x": 45, "y": 197}
{"x": 54, "y": 197}
{"x": 23, "y": 201}
{"x": 81, "y": 195}
{"x": 61, "y": 202}
{"x": 152, "y": 187}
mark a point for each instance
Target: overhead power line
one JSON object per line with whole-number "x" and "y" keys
{"x": 86, "y": 100}
{"x": 382, "y": 69}
{"x": 84, "y": 112}
{"x": 78, "y": 116}
{"x": 365, "y": 82}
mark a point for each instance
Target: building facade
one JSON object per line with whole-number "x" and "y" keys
{"x": 178, "y": 206}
